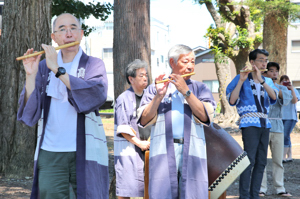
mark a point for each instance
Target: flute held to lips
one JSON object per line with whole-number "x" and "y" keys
{"x": 42, "y": 52}
{"x": 165, "y": 80}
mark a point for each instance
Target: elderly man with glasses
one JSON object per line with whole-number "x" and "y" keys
{"x": 252, "y": 94}
{"x": 62, "y": 94}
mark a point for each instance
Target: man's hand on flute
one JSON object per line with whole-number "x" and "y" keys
{"x": 179, "y": 83}
{"x": 31, "y": 64}
{"x": 51, "y": 57}
{"x": 162, "y": 87}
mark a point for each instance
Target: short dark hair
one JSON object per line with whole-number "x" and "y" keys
{"x": 273, "y": 64}
{"x": 253, "y": 54}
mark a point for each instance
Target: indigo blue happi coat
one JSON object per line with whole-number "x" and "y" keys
{"x": 163, "y": 182}
{"x": 129, "y": 165}
{"x": 248, "y": 101}
{"x": 88, "y": 92}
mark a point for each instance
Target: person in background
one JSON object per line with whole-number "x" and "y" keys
{"x": 289, "y": 118}
{"x": 130, "y": 141}
{"x": 252, "y": 94}
{"x": 63, "y": 93}
{"x": 276, "y": 134}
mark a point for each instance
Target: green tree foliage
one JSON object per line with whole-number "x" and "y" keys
{"x": 225, "y": 44}
{"x": 81, "y": 10}
{"x": 236, "y": 30}
{"x": 238, "y": 25}
{"x": 277, "y": 8}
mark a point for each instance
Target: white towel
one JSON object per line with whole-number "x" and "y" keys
{"x": 56, "y": 87}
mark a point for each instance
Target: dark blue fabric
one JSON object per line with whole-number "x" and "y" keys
{"x": 256, "y": 145}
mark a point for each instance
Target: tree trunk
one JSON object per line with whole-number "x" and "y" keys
{"x": 224, "y": 78}
{"x": 241, "y": 59}
{"x": 131, "y": 39}
{"x": 275, "y": 40}
{"x": 26, "y": 24}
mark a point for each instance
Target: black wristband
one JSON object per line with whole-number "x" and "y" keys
{"x": 262, "y": 82}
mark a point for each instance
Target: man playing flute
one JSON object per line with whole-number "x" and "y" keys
{"x": 177, "y": 109}
{"x": 252, "y": 94}
{"x": 63, "y": 94}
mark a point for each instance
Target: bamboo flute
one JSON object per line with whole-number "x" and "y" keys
{"x": 185, "y": 75}
{"x": 42, "y": 52}
{"x": 243, "y": 71}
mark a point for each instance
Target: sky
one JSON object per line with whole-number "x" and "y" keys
{"x": 188, "y": 21}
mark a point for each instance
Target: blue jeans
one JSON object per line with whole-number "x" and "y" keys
{"x": 256, "y": 142}
{"x": 288, "y": 128}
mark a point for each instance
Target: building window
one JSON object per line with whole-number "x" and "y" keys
{"x": 208, "y": 60}
{"x": 107, "y": 53}
{"x": 213, "y": 85}
{"x": 162, "y": 58}
{"x": 296, "y": 46}
{"x": 157, "y": 61}
{"x": 109, "y": 26}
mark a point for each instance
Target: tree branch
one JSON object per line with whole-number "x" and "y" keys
{"x": 214, "y": 14}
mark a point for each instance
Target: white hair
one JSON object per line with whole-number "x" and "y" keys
{"x": 177, "y": 50}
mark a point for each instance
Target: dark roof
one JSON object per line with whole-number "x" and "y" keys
{"x": 202, "y": 53}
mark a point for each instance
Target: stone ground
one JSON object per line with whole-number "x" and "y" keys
{"x": 21, "y": 188}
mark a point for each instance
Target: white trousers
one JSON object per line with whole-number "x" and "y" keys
{"x": 276, "y": 143}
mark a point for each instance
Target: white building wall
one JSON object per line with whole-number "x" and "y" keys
{"x": 293, "y": 52}
{"x": 160, "y": 44}
{"x": 102, "y": 39}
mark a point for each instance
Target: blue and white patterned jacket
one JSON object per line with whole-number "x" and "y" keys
{"x": 248, "y": 101}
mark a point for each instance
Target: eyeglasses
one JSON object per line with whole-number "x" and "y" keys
{"x": 262, "y": 61}
{"x": 63, "y": 31}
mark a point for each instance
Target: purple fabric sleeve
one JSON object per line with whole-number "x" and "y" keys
{"x": 149, "y": 94}
{"x": 30, "y": 112}
{"x": 204, "y": 94}
{"x": 120, "y": 113}
{"x": 89, "y": 94}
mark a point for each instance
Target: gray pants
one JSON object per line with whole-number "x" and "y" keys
{"x": 56, "y": 170}
{"x": 255, "y": 141}
{"x": 276, "y": 147}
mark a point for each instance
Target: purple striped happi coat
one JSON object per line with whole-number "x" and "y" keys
{"x": 87, "y": 94}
